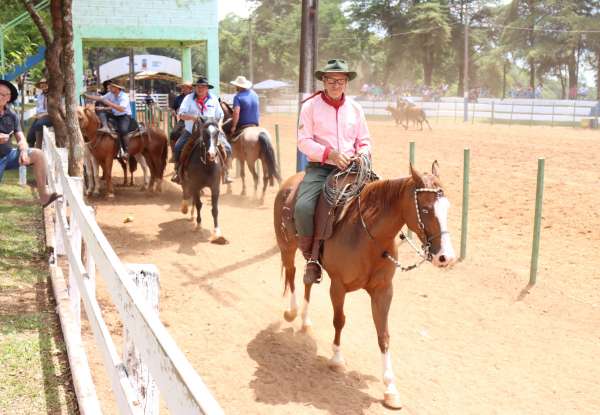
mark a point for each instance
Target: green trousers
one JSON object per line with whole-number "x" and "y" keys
{"x": 308, "y": 196}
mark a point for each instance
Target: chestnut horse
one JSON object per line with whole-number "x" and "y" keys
{"x": 253, "y": 143}
{"x": 101, "y": 148}
{"x": 406, "y": 112}
{"x": 361, "y": 252}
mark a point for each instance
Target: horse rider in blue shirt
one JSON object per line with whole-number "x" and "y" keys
{"x": 199, "y": 103}
{"x": 245, "y": 106}
{"x": 41, "y": 117}
{"x": 120, "y": 113}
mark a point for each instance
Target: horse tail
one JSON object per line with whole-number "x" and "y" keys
{"x": 267, "y": 149}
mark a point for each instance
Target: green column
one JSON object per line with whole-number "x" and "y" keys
{"x": 186, "y": 64}
{"x": 537, "y": 222}
{"x": 212, "y": 54}
{"x": 465, "y": 204}
{"x": 2, "y": 70}
{"x": 78, "y": 62}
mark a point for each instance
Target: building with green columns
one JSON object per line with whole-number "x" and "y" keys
{"x": 148, "y": 23}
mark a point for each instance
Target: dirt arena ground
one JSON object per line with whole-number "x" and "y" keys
{"x": 470, "y": 340}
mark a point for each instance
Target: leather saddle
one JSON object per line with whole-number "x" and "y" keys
{"x": 326, "y": 215}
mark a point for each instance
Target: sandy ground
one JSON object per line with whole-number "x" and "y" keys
{"x": 470, "y": 340}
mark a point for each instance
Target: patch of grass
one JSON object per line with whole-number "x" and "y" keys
{"x": 34, "y": 370}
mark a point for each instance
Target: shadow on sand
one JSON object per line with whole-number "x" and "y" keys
{"x": 289, "y": 370}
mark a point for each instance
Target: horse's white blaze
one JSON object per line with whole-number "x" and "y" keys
{"x": 212, "y": 150}
{"x": 144, "y": 166}
{"x": 441, "y": 207}
{"x": 337, "y": 359}
{"x": 306, "y": 321}
{"x": 388, "y": 374}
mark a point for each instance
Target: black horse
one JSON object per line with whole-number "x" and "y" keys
{"x": 204, "y": 170}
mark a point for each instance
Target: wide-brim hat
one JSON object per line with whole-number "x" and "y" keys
{"x": 335, "y": 66}
{"x": 14, "y": 93}
{"x": 116, "y": 85}
{"x": 242, "y": 82}
{"x": 185, "y": 83}
{"x": 40, "y": 82}
{"x": 203, "y": 81}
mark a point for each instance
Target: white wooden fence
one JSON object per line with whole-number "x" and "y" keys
{"x": 181, "y": 387}
{"x": 517, "y": 110}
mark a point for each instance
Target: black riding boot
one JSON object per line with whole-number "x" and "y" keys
{"x": 312, "y": 272}
{"x": 176, "y": 178}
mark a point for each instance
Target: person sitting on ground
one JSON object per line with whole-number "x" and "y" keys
{"x": 41, "y": 117}
{"x": 332, "y": 131}
{"x": 11, "y": 158}
{"x": 120, "y": 113}
{"x": 199, "y": 103}
{"x": 245, "y": 106}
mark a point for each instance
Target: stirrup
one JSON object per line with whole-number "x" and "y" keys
{"x": 319, "y": 271}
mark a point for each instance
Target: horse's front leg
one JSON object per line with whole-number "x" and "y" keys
{"x": 142, "y": 160}
{"x": 214, "y": 200}
{"x": 381, "y": 298}
{"x": 95, "y": 172}
{"x": 198, "y": 204}
{"x": 337, "y": 292}
{"x": 108, "y": 173}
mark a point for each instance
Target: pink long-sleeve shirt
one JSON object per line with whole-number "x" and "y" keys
{"x": 323, "y": 128}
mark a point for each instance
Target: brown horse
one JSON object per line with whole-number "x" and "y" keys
{"x": 361, "y": 253}
{"x": 152, "y": 145}
{"x": 252, "y": 144}
{"x": 406, "y": 113}
{"x": 100, "y": 150}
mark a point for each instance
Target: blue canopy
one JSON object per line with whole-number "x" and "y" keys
{"x": 270, "y": 84}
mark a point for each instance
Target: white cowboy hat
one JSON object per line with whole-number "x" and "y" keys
{"x": 242, "y": 82}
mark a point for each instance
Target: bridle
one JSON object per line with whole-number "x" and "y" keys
{"x": 204, "y": 147}
{"x": 425, "y": 251}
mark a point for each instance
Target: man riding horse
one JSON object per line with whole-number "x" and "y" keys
{"x": 199, "y": 103}
{"x": 118, "y": 101}
{"x": 245, "y": 106}
{"x": 332, "y": 131}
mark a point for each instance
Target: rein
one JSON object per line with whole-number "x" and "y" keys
{"x": 424, "y": 253}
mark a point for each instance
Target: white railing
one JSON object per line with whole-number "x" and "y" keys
{"x": 181, "y": 387}
{"x": 517, "y": 110}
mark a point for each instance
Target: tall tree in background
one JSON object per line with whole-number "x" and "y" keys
{"x": 61, "y": 78}
{"x": 430, "y": 35}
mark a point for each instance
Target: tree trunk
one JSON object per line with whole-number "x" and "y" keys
{"x": 572, "y": 68}
{"x": 598, "y": 74}
{"x": 532, "y": 74}
{"x": 427, "y": 68}
{"x": 56, "y": 85}
{"x": 75, "y": 138}
{"x": 563, "y": 86}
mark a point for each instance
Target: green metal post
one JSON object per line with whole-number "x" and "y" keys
{"x": 186, "y": 64}
{"x": 411, "y": 158}
{"x": 539, "y": 195}
{"x": 465, "y": 204}
{"x": 277, "y": 142}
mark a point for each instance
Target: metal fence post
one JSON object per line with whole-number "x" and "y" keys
{"x": 493, "y": 102}
{"x": 539, "y": 195}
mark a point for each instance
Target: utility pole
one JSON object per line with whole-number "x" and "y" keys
{"x": 132, "y": 83}
{"x": 466, "y": 65}
{"x": 308, "y": 60}
{"x": 250, "y": 50}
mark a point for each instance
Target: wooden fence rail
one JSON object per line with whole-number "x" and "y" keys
{"x": 181, "y": 387}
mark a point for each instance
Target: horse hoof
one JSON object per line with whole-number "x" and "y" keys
{"x": 219, "y": 240}
{"x": 184, "y": 207}
{"x": 290, "y": 315}
{"x": 110, "y": 195}
{"x": 338, "y": 367}
{"x": 306, "y": 329}
{"x": 392, "y": 401}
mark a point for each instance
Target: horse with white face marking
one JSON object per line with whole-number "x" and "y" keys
{"x": 362, "y": 253}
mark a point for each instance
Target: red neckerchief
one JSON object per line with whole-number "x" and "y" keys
{"x": 201, "y": 103}
{"x": 334, "y": 103}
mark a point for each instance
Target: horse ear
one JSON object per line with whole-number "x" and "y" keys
{"x": 435, "y": 169}
{"x": 417, "y": 177}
